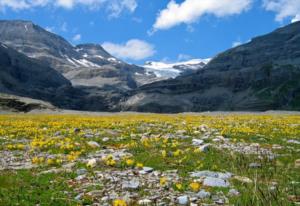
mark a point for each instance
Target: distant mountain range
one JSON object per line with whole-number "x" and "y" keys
{"x": 263, "y": 74}
{"x": 260, "y": 75}
{"x": 171, "y": 70}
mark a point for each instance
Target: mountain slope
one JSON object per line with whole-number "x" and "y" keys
{"x": 25, "y": 76}
{"x": 260, "y": 75}
{"x": 84, "y": 65}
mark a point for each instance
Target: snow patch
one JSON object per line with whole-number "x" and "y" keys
{"x": 172, "y": 70}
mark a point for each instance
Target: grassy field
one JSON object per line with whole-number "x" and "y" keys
{"x": 84, "y": 160}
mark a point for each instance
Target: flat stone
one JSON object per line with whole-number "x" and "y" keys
{"x": 207, "y": 173}
{"x": 202, "y": 194}
{"x": 215, "y": 182}
{"x": 243, "y": 179}
{"x": 148, "y": 169}
{"x": 145, "y": 202}
{"x": 297, "y": 163}
{"x": 93, "y": 144}
{"x": 197, "y": 142}
{"x": 204, "y": 148}
{"x": 183, "y": 200}
{"x": 81, "y": 171}
{"x": 233, "y": 192}
{"x": 293, "y": 141}
{"x": 132, "y": 184}
{"x": 255, "y": 165}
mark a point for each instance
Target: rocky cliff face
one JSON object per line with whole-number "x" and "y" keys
{"x": 260, "y": 75}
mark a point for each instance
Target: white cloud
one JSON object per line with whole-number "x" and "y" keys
{"x": 284, "y": 9}
{"x": 184, "y": 57}
{"x": 134, "y": 49}
{"x": 114, "y": 7}
{"x": 77, "y": 37}
{"x": 190, "y": 11}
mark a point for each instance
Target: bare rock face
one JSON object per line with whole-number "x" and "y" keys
{"x": 260, "y": 75}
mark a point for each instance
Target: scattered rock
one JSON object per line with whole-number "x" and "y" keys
{"x": 81, "y": 171}
{"x": 202, "y": 194}
{"x": 197, "y": 142}
{"x": 233, "y": 192}
{"x": 243, "y": 179}
{"x": 293, "y": 141}
{"x": 208, "y": 173}
{"x": 146, "y": 170}
{"x": 131, "y": 184}
{"x": 255, "y": 165}
{"x": 215, "y": 182}
{"x": 93, "y": 144}
{"x": 297, "y": 163}
{"x": 204, "y": 148}
{"x": 183, "y": 200}
{"x": 145, "y": 202}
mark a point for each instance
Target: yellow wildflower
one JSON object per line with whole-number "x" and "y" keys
{"x": 195, "y": 186}
{"x": 179, "y": 186}
{"x": 163, "y": 181}
{"x": 139, "y": 165}
{"x": 129, "y": 162}
{"x": 119, "y": 203}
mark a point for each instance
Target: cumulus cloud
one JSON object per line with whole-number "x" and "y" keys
{"x": 190, "y": 11}
{"x": 114, "y": 7}
{"x": 133, "y": 49}
{"x": 284, "y": 9}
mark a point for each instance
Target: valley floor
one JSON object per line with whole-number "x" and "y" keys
{"x": 121, "y": 159}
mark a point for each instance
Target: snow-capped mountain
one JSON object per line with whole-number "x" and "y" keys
{"x": 171, "y": 70}
{"x": 84, "y": 65}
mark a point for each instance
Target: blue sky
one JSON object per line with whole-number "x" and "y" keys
{"x": 160, "y": 30}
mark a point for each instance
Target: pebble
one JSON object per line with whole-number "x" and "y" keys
{"x": 297, "y": 163}
{"x": 183, "y": 200}
{"x": 204, "y": 148}
{"x": 146, "y": 170}
{"x": 293, "y": 141}
{"x": 145, "y": 202}
{"x": 131, "y": 184}
{"x": 215, "y": 182}
{"x": 255, "y": 165}
{"x": 243, "y": 179}
{"x": 197, "y": 142}
{"x": 233, "y": 192}
{"x": 202, "y": 194}
{"x": 81, "y": 171}
{"x": 207, "y": 173}
{"x": 93, "y": 144}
